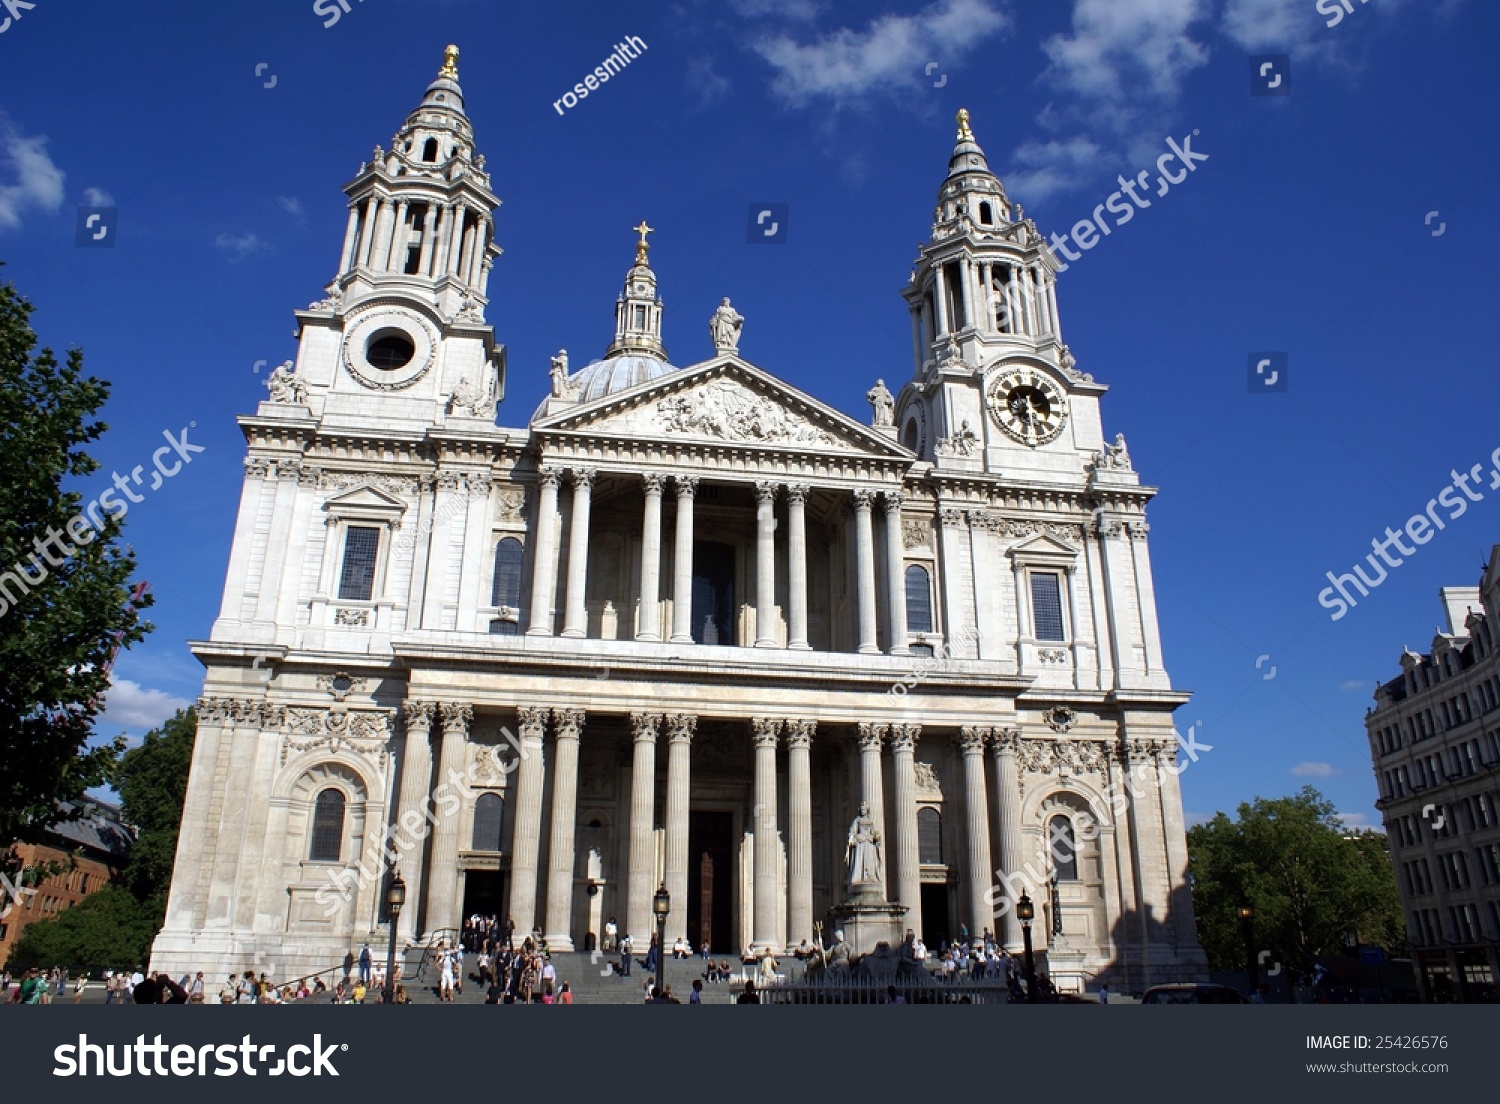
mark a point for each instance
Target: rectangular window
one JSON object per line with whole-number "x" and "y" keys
{"x": 361, "y": 545}
{"x": 1046, "y": 605}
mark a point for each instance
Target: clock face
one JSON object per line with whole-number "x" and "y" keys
{"x": 1028, "y": 406}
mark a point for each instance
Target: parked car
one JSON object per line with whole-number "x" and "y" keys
{"x": 1187, "y": 993}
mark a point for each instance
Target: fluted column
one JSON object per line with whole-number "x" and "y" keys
{"x": 641, "y": 868}
{"x": 374, "y": 208}
{"x": 864, "y": 554}
{"x": 451, "y": 211}
{"x": 647, "y": 626}
{"x": 1007, "y": 798}
{"x": 680, "y": 729}
{"x": 682, "y": 563}
{"x": 544, "y": 559}
{"x": 796, "y": 566}
{"x": 416, "y": 787}
{"x": 429, "y": 231}
{"x": 351, "y": 235}
{"x": 765, "y": 565}
{"x": 895, "y": 559}
{"x": 767, "y": 898}
{"x": 971, "y": 739}
{"x": 1170, "y": 794}
{"x": 799, "y": 876}
{"x": 575, "y": 617}
{"x": 442, "y": 881}
{"x": 566, "y": 725}
{"x": 871, "y": 739}
{"x": 526, "y": 842}
{"x": 396, "y": 249}
{"x": 904, "y": 846}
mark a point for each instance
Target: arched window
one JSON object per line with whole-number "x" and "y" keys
{"x": 918, "y": 599}
{"x": 489, "y": 817}
{"x": 328, "y": 827}
{"x": 1064, "y": 849}
{"x": 507, "y": 588}
{"x": 984, "y": 214}
{"x": 909, "y": 435}
{"x": 429, "y": 150}
{"x": 929, "y": 835}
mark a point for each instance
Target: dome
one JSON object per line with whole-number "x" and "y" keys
{"x": 613, "y": 374}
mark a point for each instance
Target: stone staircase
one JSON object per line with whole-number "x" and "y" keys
{"x": 590, "y": 977}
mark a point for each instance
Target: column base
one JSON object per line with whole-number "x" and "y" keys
{"x": 682, "y": 638}
{"x": 799, "y": 646}
{"x": 573, "y": 634}
{"x": 647, "y": 637}
{"x": 562, "y": 942}
{"x": 868, "y": 649}
{"x": 902, "y": 651}
{"x": 766, "y": 644}
{"x": 538, "y": 632}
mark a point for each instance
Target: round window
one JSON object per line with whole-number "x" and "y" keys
{"x": 389, "y": 350}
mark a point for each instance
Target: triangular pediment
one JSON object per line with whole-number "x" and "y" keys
{"x": 365, "y": 498}
{"x": 1042, "y": 546}
{"x": 724, "y": 401}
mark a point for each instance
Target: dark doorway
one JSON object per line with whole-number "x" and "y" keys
{"x": 710, "y": 875}
{"x": 937, "y": 924}
{"x": 484, "y": 892}
{"x": 713, "y": 593}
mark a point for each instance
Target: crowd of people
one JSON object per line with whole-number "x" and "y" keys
{"x": 37, "y": 986}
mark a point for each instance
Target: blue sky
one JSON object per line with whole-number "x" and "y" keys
{"x": 1306, "y": 231}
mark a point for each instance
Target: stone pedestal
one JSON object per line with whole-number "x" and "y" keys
{"x": 866, "y": 923}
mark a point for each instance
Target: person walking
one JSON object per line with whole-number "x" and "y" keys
{"x": 696, "y": 996}
{"x": 364, "y": 964}
{"x": 611, "y": 934}
{"x": 625, "y": 956}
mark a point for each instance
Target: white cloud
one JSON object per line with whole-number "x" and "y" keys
{"x": 1282, "y": 25}
{"x": 291, "y": 205}
{"x": 97, "y": 197}
{"x": 1119, "y": 50}
{"x": 1043, "y": 168}
{"x": 702, "y": 79}
{"x": 241, "y": 245}
{"x": 1353, "y": 684}
{"x": 1314, "y": 770}
{"x": 888, "y": 56}
{"x": 1192, "y": 820}
{"x": 792, "y": 11}
{"x": 129, "y": 704}
{"x": 37, "y": 181}
{"x": 1361, "y": 820}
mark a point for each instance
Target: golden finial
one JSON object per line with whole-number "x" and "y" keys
{"x": 641, "y": 247}
{"x": 964, "y": 133}
{"x": 449, "y": 71}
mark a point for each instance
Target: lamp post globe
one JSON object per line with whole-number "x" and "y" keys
{"x": 395, "y": 898}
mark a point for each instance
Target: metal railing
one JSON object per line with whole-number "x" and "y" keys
{"x": 867, "y": 991}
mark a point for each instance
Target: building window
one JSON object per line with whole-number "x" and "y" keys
{"x": 985, "y": 216}
{"x": 429, "y": 150}
{"x": 1064, "y": 849}
{"x": 489, "y": 817}
{"x": 357, "y": 581}
{"x": 507, "y": 588}
{"x": 929, "y": 835}
{"x": 1046, "y": 605}
{"x": 918, "y": 599}
{"x": 328, "y": 827}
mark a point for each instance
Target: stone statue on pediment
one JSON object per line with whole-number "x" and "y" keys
{"x": 882, "y": 404}
{"x": 725, "y": 327}
{"x": 284, "y": 385}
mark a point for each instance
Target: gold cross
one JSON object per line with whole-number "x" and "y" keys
{"x": 641, "y": 246}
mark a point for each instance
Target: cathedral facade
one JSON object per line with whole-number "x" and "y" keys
{"x": 676, "y": 629}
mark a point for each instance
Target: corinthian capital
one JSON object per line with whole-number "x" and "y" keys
{"x": 533, "y": 720}
{"x": 419, "y": 714}
{"x": 567, "y": 723}
{"x": 904, "y": 737}
{"x": 643, "y": 726}
{"x": 871, "y": 736}
{"x": 971, "y": 738}
{"x": 799, "y": 734}
{"x": 681, "y": 727}
{"x": 766, "y": 731}
{"x": 456, "y": 717}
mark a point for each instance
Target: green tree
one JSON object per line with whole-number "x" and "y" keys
{"x": 1312, "y": 882}
{"x": 62, "y": 613}
{"x": 152, "y": 781}
{"x": 109, "y": 929}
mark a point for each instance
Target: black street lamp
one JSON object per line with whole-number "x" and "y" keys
{"x": 1247, "y": 929}
{"x": 1026, "y": 912}
{"x": 661, "y": 905}
{"x": 395, "y": 897}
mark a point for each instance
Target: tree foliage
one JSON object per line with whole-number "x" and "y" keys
{"x": 109, "y": 929}
{"x": 1312, "y": 882}
{"x": 152, "y": 781}
{"x": 61, "y": 615}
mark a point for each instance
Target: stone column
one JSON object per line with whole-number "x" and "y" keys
{"x": 765, "y": 565}
{"x": 682, "y": 566}
{"x": 871, "y": 739}
{"x": 1003, "y": 746}
{"x": 526, "y": 840}
{"x": 796, "y": 566}
{"x": 864, "y": 551}
{"x": 445, "y": 239}
{"x": 416, "y": 787}
{"x": 971, "y": 740}
{"x": 680, "y": 729}
{"x": 351, "y": 233}
{"x": 429, "y": 230}
{"x": 566, "y": 724}
{"x": 1181, "y": 901}
{"x": 767, "y": 897}
{"x": 373, "y": 209}
{"x": 544, "y": 557}
{"x": 895, "y": 558}
{"x": 799, "y": 736}
{"x": 442, "y": 881}
{"x": 642, "y": 861}
{"x": 396, "y": 249}
{"x": 647, "y": 626}
{"x": 904, "y": 847}
{"x": 575, "y": 618}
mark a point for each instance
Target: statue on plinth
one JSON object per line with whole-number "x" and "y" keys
{"x": 863, "y": 853}
{"x": 882, "y": 404}
{"x": 725, "y": 326}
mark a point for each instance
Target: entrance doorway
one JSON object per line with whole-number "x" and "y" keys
{"x": 710, "y": 851}
{"x": 484, "y": 893}
{"x": 937, "y": 924}
{"x": 713, "y": 593}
